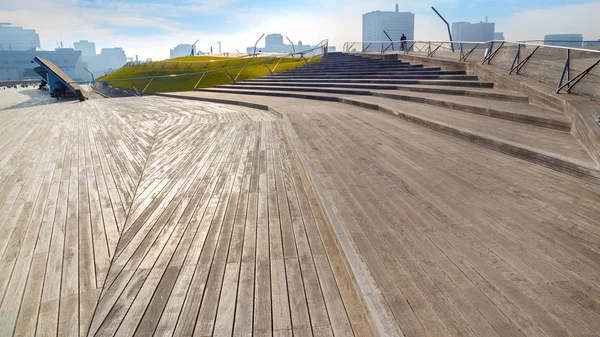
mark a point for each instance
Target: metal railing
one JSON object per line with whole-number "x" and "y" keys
{"x": 233, "y": 72}
{"x": 574, "y": 70}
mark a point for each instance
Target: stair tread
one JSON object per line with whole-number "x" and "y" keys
{"x": 446, "y": 82}
{"x": 553, "y": 143}
{"x": 521, "y": 109}
{"x": 364, "y": 86}
{"x": 548, "y": 141}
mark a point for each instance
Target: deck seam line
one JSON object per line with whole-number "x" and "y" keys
{"x": 374, "y": 300}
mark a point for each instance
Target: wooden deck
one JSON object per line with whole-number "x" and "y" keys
{"x": 144, "y": 216}
{"x": 460, "y": 240}
{"x": 156, "y": 216}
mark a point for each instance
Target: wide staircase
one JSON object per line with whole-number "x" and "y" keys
{"x": 448, "y": 101}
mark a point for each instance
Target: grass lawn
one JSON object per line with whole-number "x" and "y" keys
{"x": 193, "y": 64}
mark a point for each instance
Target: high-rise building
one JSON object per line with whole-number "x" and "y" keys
{"x": 181, "y": 50}
{"x": 274, "y": 40}
{"x": 109, "y": 58}
{"x": 274, "y": 44}
{"x": 394, "y": 23}
{"x": 564, "y": 40}
{"x": 87, "y": 48}
{"x": 17, "y": 38}
{"x": 473, "y": 32}
{"x": 499, "y": 36}
{"x": 113, "y": 58}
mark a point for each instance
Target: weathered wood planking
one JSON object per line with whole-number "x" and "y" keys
{"x": 153, "y": 216}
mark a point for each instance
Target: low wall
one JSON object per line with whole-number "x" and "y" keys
{"x": 582, "y": 111}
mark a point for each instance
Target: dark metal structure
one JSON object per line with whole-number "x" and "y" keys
{"x": 59, "y": 83}
{"x": 447, "y": 25}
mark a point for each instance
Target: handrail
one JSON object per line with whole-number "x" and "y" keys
{"x": 474, "y": 42}
{"x": 584, "y": 58}
{"x": 323, "y": 45}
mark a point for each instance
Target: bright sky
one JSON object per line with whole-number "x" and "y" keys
{"x": 150, "y": 28}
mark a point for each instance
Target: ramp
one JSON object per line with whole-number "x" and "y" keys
{"x": 59, "y": 82}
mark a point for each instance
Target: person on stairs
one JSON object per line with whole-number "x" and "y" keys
{"x": 403, "y": 42}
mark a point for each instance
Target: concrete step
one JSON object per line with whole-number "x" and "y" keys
{"x": 444, "y": 82}
{"x": 497, "y": 94}
{"x": 509, "y": 110}
{"x": 553, "y": 149}
{"x": 345, "y": 71}
{"x": 367, "y": 67}
{"x": 355, "y": 88}
{"x": 406, "y": 76}
{"x": 372, "y": 73}
{"x": 518, "y": 112}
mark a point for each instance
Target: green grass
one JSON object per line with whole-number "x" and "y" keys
{"x": 194, "y": 64}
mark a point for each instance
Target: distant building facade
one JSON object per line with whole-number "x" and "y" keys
{"x": 564, "y": 40}
{"x": 17, "y": 64}
{"x": 181, "y": 50}
{"x": 109, "y": 58}
{"x": 274, "y": 44}
{"x": 473, "y": 32}
{"x": 394, "y": 23}
{"x": 499, "y": 36}
{"x": 17, "y": 38}
{"x": 86, "y": 48}
{"x": 18, "y": 48}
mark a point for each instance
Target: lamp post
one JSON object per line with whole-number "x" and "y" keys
{"x": 447, "y": 25}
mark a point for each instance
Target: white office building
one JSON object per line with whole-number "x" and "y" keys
{"x": 19, "y": 46}
{"x": 17, "y": 38}
{"x": 473, "y": 32}
{"x": 274, "y": 44}
{"x": 393, "y": 23}
{"x": 180, "y": 50}
{"x": 564, "y": 40}
{"x": 86, "y": 48}
{"x": 18, "y": 65}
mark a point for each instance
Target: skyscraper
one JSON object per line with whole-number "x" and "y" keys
{"x": 394, "y": 23}
{"x": 473, "y": 32}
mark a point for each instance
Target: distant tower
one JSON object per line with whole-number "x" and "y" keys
{"x": 219, "y": 47}
{"x": 397, "y": 7}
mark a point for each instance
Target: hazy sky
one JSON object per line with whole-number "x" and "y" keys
{"x": 150, "y": 28}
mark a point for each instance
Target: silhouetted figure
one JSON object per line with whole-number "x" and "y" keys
{"x": 403, "y": 42}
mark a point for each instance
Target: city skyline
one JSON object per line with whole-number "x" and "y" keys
{"x": 151, "y": 29}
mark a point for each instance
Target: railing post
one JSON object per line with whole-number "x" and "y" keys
{"x": 522, "y": 63}
{"x": 270, "y": 72}
{"x": 572, "y": 83}
{"x": 239, "y": 72}
{"x": 278, "y": 63}
{"x": 491, "y": 56}
{"x": 231, "y": 78}
{"x": 517, "y": 59}
{"x": 569, "y": 66}
{"x": 566, "y": 71}
{"x": 201, "y": 77}
{"x": 147, "y": 85}
{"x": 489, "y": 53}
